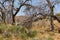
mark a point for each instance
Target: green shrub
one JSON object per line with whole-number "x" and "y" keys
{"x": 32, "y": 33}
{"x": 23, "y": 30}
{"x": 24, "y": 35}
{"x": 3, "y": 27}
{"x": 14, "y": 29}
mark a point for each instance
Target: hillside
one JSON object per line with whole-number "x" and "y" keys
{"x": 42, "y": 27}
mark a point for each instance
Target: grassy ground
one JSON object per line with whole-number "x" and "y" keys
{"x": 43, "y": 32}
{"x": 39, "y": 31}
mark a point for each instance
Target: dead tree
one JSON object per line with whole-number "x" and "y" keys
{"x": 13, "y": 8}
{"x": 52, "y": 14}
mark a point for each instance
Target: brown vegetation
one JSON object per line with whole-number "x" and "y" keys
{"x": 38, "y": 21}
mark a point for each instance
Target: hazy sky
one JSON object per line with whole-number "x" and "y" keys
{"x": 34, "y": 2}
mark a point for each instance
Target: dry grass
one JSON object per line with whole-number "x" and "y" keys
{"x": 41, "y": 28}
{"x": 42, "y": 34}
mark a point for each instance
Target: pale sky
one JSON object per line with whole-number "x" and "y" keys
{"x": 34, "y": 2}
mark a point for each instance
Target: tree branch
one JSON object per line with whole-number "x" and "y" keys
{"x": 2, "y": 5}
{"x": 55, "y": 17}
{"x": 49, "y": 3}
{"x": 21, "y": 6}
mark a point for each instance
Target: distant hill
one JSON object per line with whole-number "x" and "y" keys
{"x": 20, "y": 19}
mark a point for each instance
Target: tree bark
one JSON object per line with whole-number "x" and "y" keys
{"x": 51, "y": 13}
{"x": 51, "y": 19}
{"x": 13, "y": 17}
{"x": 52, "y": 25}
{"x": 13, "y": 20}
{"x": 3, "y": 16}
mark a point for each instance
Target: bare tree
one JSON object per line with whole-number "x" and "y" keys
{"x": 14, "y": 9}
{"x": 51, "y": 6}
{"x": 46, "y": 8}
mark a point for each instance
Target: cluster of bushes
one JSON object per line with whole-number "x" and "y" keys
{"x": 17, "y": 31}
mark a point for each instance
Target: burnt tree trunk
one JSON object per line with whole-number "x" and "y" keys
{"x": 13, "y": 16}
{"x": 3, "y": 17}
{"x": 51, "y": 19}
{"x": 51, "y": 14}
{"x": 52, "y": 25}
{"x": 13, "y": 19}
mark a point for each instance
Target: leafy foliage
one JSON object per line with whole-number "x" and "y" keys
{"x": 32, "y": 33}
{"x": 14, "y": 29}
